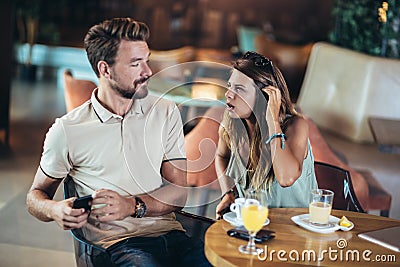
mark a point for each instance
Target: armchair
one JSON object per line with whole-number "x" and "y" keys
{"x": 162, "y": 59}
{"x": 76, "y": 92}
{"x": 339, "y": 181}
{"x": 343, "y": 88}
{"x": 91, "y": 255}
{"x": 340, "y": 91}
{"x": 200, "y": 145}
{"x": 86, "y": 252}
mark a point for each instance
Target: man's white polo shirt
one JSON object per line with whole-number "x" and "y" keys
{"x": 100, "y": 149}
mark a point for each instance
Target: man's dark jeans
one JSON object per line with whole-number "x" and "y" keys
{"x": 172, "y": 249}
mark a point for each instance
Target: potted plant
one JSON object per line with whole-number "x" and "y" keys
{"x": 367, "y": 26}
{"x": 389, "y": 16}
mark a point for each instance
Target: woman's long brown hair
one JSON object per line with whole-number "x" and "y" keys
{"x": 235, "y": 132}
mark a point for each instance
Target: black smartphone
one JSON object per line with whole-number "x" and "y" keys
{"x": 241, "y": 233}
{"x": 83, "y": 202}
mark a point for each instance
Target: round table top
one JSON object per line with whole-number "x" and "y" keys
{"x": 297, "y": 246}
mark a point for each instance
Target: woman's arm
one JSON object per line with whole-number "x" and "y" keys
{"x": 288, "y": 162}
{"x": 222, "y": 157}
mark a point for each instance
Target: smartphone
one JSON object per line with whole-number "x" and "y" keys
{"x": 83, "y": 202}
{"x": 241, "y": 233}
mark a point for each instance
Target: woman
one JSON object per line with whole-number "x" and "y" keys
{"x": 263, "y": 141}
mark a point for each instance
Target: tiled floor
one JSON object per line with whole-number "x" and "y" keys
{"x": 25, "y": 241}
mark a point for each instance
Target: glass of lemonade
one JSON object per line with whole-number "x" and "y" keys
{"x": 320, "y": 207}
{"x": 254, "y": 215}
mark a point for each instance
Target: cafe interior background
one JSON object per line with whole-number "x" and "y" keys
{"x": 32, "y": 90}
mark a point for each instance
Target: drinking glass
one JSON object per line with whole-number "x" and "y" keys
{"x": 320, "y": 207}
{"x": 254, "y": 215}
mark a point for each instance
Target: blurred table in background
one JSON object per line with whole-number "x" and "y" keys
{"x": 386, "y": 133}
{"x": 194, "y": 86}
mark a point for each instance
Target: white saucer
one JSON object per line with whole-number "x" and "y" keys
{"x": 303, "y": 221}
{"x": 231, "y": 218}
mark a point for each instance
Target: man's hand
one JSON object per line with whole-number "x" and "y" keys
{"x": 113, "y": 205}
{"x": 67, "y": 217}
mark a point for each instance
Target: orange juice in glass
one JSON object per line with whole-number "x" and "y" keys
{"x": 254, "y": 215}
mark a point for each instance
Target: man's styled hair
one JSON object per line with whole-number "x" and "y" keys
{"x": 102, "y": 40}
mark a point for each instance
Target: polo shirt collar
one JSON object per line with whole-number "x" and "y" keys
{"x": 104, "y": 114}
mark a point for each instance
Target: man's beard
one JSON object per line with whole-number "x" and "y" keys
{"x": 136, "y": 93}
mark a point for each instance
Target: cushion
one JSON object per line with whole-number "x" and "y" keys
{"x": 343, "y": 88}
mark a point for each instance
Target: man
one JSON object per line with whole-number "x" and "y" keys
{"x": 124, "y": 148}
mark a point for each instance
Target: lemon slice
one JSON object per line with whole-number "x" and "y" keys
{"x": 345, "y": 222}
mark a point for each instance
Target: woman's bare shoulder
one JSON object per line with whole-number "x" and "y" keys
{"x": 297, "y": 125}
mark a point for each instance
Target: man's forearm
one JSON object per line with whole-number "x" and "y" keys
{"x": 39, "y": 205}
{"x": 165, "y": 200}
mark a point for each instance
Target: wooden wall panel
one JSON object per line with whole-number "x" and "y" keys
{"x": 201, "y": 23}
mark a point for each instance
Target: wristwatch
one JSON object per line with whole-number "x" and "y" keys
{"x": 140, "y": 208}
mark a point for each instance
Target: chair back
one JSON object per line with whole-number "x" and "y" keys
{"x": 162, "y": 59}
{"x": 200, "y": 146}
{"x": 76, "y": 92}
{"x": 195, "y": 225}
{"x": 338, "y": 180}
{"x": 86, "y": 252}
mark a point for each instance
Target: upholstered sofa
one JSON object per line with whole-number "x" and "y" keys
{"x": 341, "y": 90}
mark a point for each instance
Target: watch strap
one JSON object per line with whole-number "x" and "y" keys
{"x": 140, "y": 208}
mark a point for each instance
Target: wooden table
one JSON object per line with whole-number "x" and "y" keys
{"x": 386, "y": 133}
{"x": 222, "y": 250}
